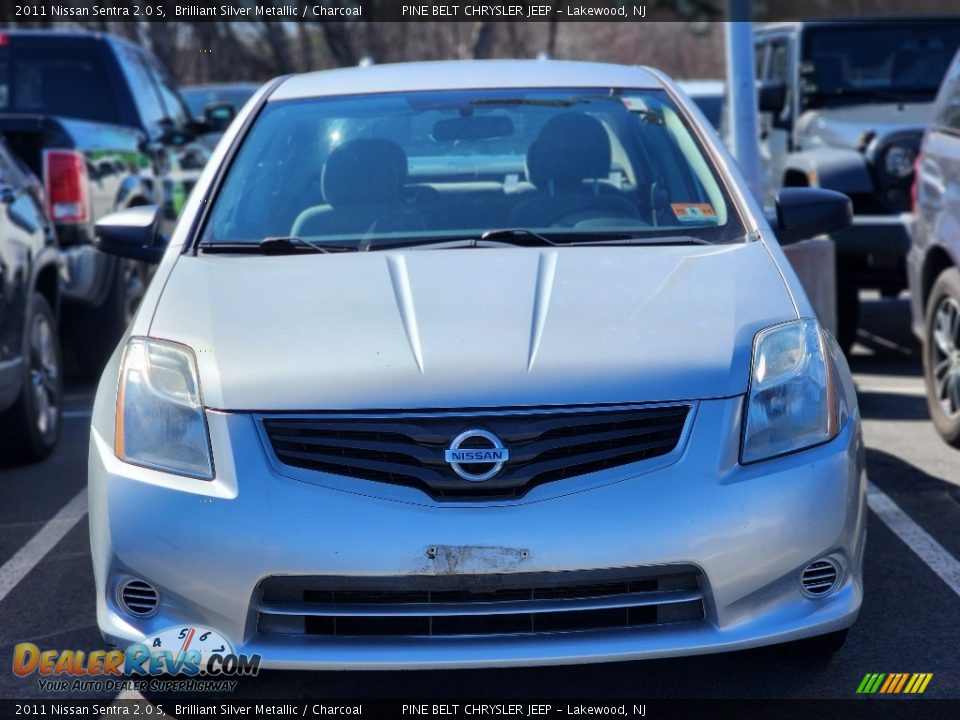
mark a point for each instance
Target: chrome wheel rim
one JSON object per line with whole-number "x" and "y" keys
{"x": 945, "y": 356}
{"x": 44, "y": 374}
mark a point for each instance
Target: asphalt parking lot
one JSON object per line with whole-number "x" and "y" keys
{"x": 910, "y": 620}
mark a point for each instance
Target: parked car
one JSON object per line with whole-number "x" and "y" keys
{"x": 494, "y": 363}
{"x": 217, "y": 104}
{"x": 934, "y": 258}
{"x": 30, "y": 366}
{"x": 103, "y": 125}
{"x": 709, "y": 96}
{"x": 843, "y": 106}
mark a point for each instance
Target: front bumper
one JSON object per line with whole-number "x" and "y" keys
{"x": 750, "y": 530}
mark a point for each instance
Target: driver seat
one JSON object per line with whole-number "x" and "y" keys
{"x": 568, "y": 164}
{"x": 362, "y": 183}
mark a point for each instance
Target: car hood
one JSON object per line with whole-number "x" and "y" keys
{"x": 845, "y": 126}
{"x": 472, "y": 328}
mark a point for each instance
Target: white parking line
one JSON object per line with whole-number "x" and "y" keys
{"x": 916, "y": 538}
{"x": 27, "y": 557}
{"x": 915, "y": 389}
{"x": 76, "y": 414}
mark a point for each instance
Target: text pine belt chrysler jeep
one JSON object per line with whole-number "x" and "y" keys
{"x": 476, "y": 364}
{"x": 843, "y": 106}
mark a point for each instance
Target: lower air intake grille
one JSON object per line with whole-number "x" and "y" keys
{"x": 477, "y": 605}
{"x": 138, "y": 598}
{"x": 819, "y": 578}
{"x": 544, "y": 445}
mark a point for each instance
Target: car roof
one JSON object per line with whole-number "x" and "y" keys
{"x": 221, "y": 86}
{"x": 701, "y": 86}
{"x": 463, "y": 75}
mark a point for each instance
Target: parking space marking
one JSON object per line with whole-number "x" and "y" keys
{"x": 892, "y": 389}
{"x": 915, "y": 537}
{"x": 77, "y": 414}
{"x": 36, "y": 548}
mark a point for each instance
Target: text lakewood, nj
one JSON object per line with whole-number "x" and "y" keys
{"x": 479, "y": 10}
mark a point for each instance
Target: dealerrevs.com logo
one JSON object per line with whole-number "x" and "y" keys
{"x": 192, "y": 652}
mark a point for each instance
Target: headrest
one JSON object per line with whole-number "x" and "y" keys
{"x": 364, "y": 172}
{"x": 570, "y": 148}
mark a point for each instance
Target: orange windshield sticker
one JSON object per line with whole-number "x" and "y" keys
{"x": 693, "y": 212}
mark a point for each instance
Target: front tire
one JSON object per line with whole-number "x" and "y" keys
{"x": 941, "y": 355}
{"x": 31, "y": 427}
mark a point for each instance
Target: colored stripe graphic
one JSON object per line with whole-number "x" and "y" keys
{"x": 894, "y": 683}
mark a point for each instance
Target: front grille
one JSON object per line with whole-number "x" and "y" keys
{"x": 467, "y": 605}
{"x": 544, "y": 446}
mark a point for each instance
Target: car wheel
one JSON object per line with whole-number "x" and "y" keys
{"x": 941, "y": 355}
{"x": 32, "y": 425}
{"x": 848, "y": 313}
{"x": 97, "y": 330}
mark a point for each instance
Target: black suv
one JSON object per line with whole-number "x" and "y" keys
{"x": 30, "y": 367}
{"x": 101, "y": 122}
{"x": 843, "y": 106}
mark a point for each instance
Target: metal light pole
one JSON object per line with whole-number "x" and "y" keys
{"x": 742, "y": 93}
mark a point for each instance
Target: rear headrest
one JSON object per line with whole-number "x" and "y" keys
{"x": 364, "y": 172}
{"x": 570, "y": 148}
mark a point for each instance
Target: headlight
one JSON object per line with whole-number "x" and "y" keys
{"x": 791, "y": 403}
{"x": 160, "y": 418}
{"x": 898, "y": 161}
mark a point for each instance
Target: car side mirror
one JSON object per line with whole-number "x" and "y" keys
{"x": 132, "y": 233}
{"x": 803, "y": 213}
{"x": 771, "y": 96}
{"x": 217, "y": 116}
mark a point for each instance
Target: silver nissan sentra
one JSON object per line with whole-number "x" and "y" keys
{"x": 476, "y": 364}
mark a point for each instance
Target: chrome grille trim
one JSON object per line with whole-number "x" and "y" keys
{"x": 407, "y": 448}
{"x": 479, "y": 605}
{"x": 607, "y": 602}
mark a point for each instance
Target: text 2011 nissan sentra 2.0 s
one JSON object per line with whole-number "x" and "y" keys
{"x": 476, "y": 364}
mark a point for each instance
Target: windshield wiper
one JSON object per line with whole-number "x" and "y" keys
{"x": 287, "y": 245}
{"x": 634, "y": 240}
{"x": 275, "y": 246}
{"x": 519, "y": 237}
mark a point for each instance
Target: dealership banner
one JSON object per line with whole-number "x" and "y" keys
{"x": 552, "y": 11}
{"x": 551, "y": 708}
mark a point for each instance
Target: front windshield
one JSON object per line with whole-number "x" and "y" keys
{"x": 890, "y": 62}
{"x": 451, "y": 164}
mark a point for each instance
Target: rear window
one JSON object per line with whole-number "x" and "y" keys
{"x": 64, "y": 77}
